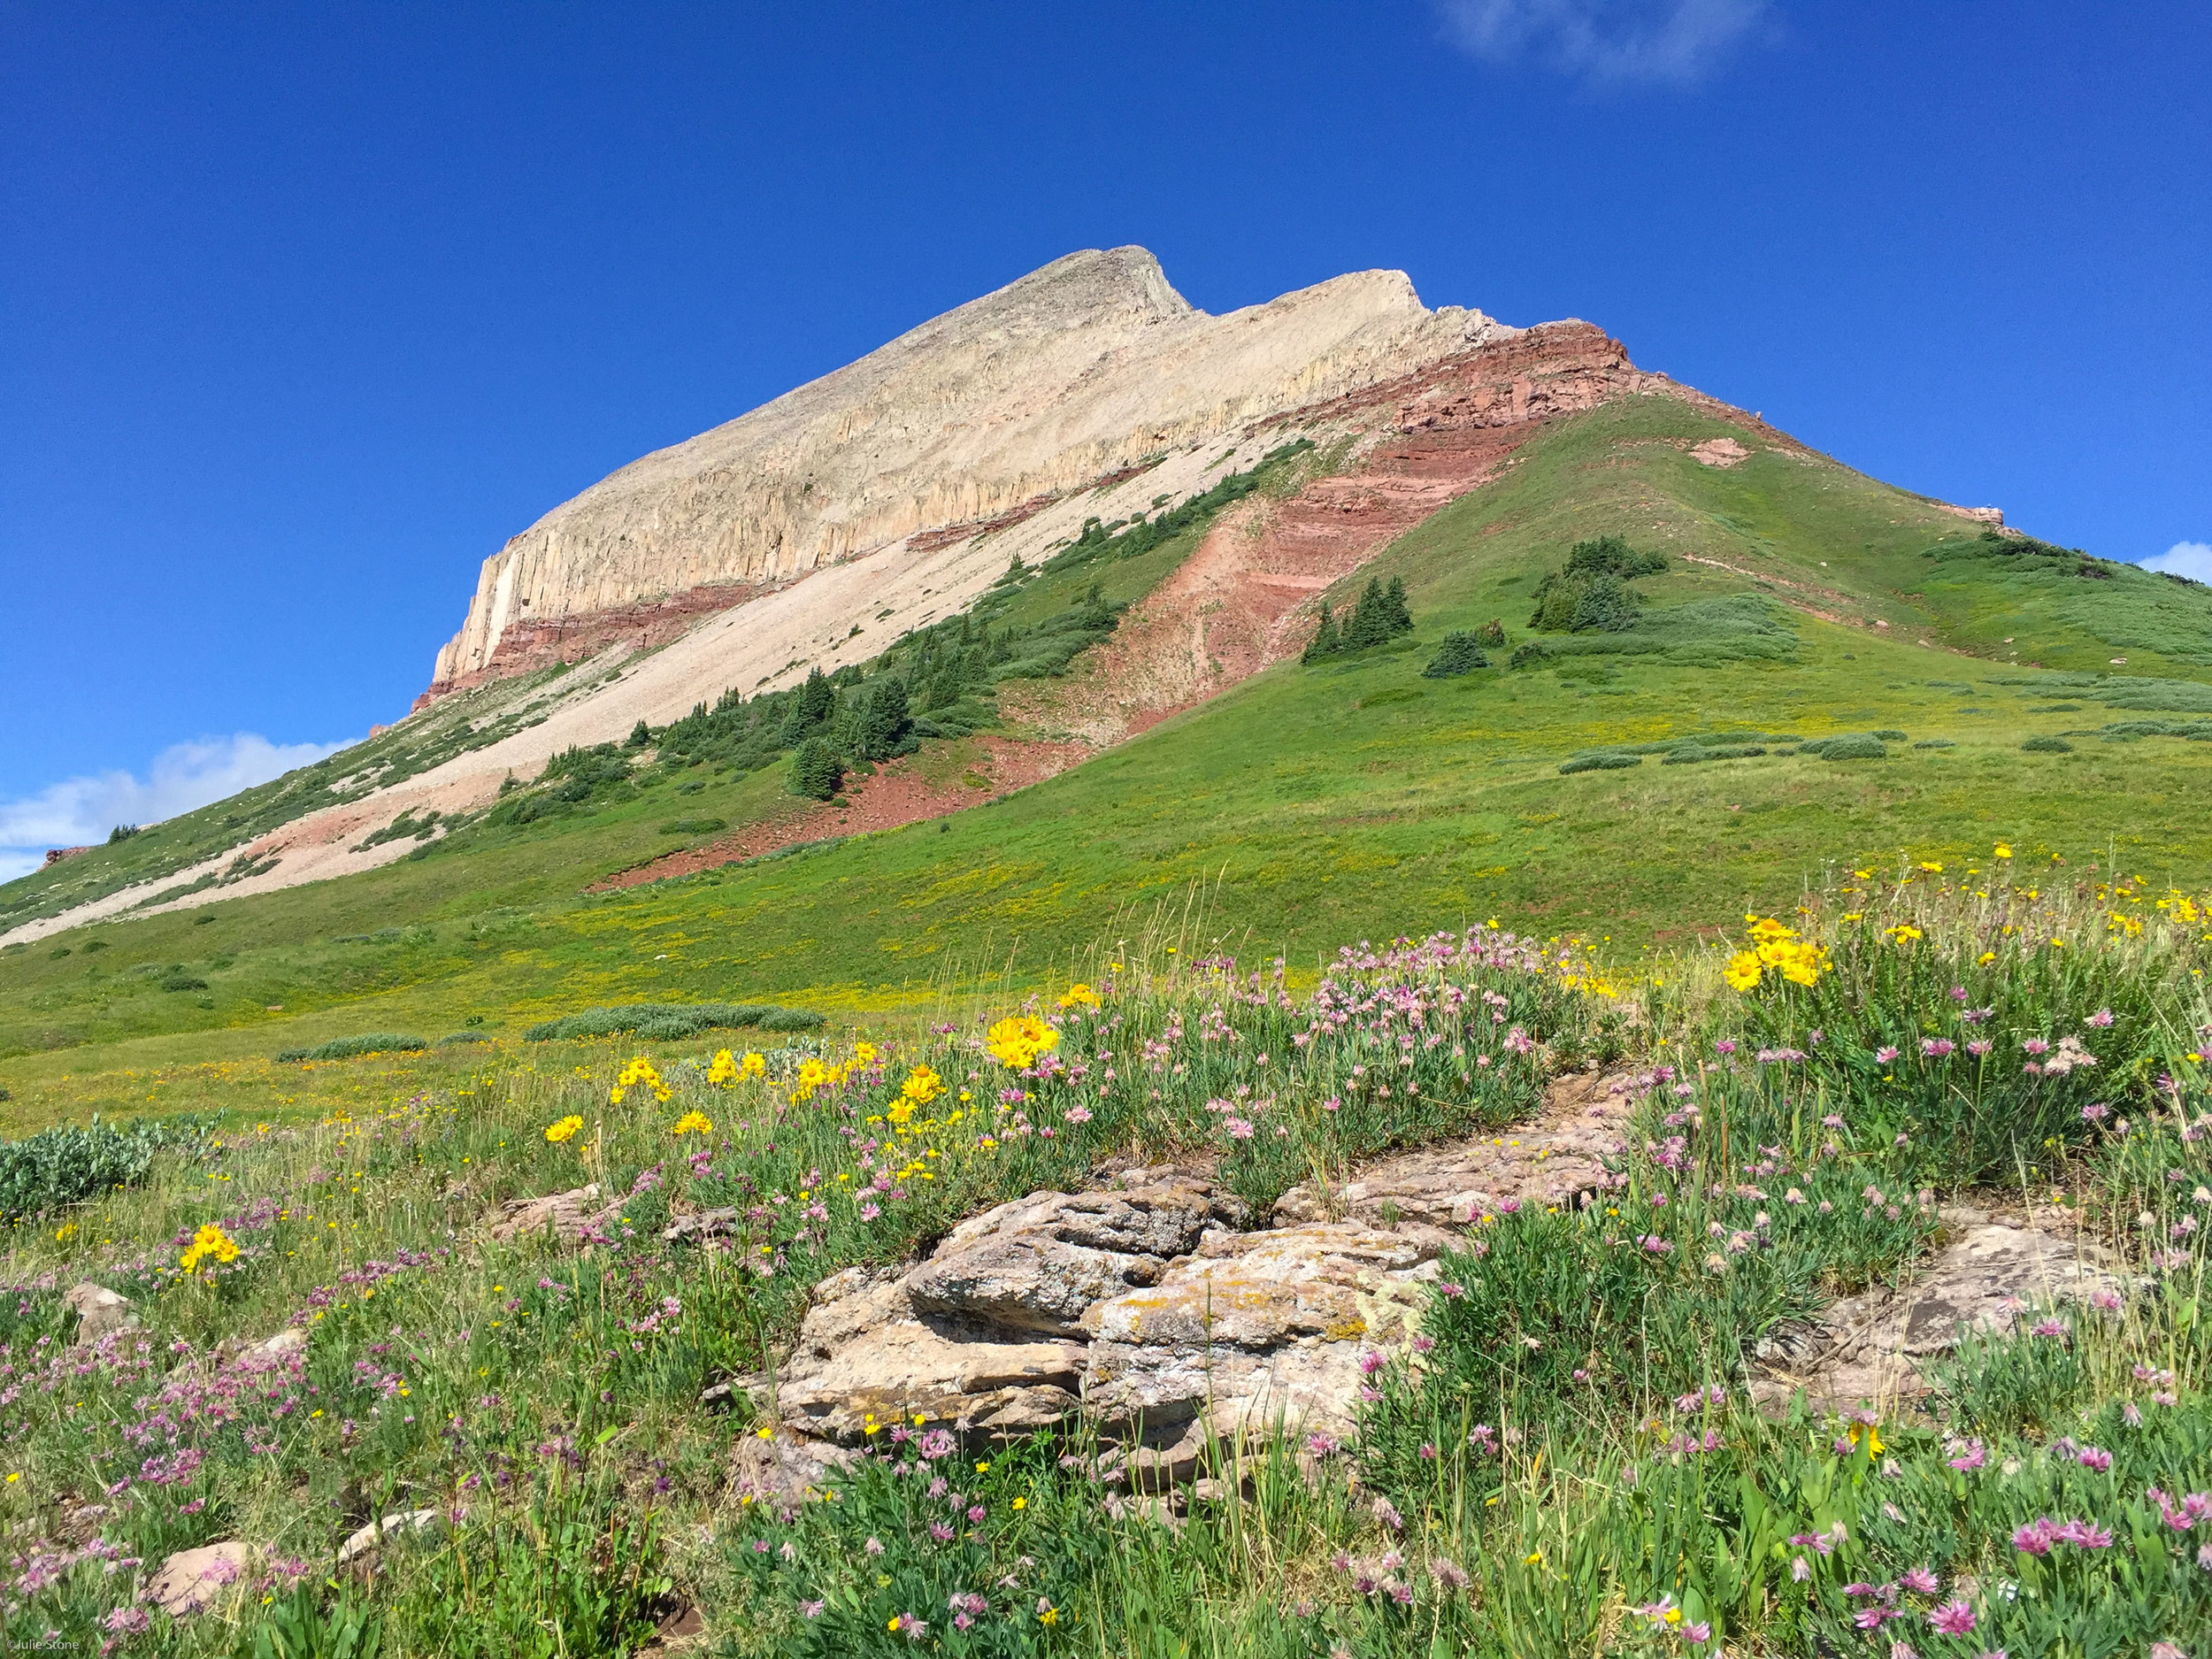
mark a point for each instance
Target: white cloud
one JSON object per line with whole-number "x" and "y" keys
{"x": 2192, "y": 559}
{"x": 79, "y": 810}
{"x": 1673, "y": 42}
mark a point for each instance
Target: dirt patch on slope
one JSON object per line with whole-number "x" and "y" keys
{"x": 897, "y": 795}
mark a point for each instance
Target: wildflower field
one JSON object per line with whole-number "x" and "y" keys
{"x": 1567, "y": 1458}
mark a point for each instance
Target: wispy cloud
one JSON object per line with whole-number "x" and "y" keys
{"x": 2192, "y": 559}
{"x": 1666, "y": 43}
{"x": 77, "y": 811}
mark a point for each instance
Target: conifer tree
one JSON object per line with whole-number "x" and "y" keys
{"x": 1327, "y": 642}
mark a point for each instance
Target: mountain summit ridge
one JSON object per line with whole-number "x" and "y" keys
{"x": 1063, "y": 378}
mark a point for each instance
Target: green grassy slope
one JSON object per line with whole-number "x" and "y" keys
{"x": 1314, "y": 806}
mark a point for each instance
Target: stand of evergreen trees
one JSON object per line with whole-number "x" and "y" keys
{"x": 1593, "y": 594}
{"x": 1380, "y": 615}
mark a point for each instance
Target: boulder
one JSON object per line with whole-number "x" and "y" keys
{"x": 1260, "y": 1328}
{"x": 1867, "y": 1349}
{"x": 370, "y": 1536}
{"x": 704, "y": 1226}
{"x": 101, "y": 1312}
{"x": 193, "y": 1580}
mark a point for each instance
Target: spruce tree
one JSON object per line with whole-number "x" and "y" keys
{"x": 884, "y": 721}
{"x": 1327, "y": 642}
{"x": 641, "y": 735}
{"x": 1396, "y": 613}
{"x": 816, "y": 771}
{"x": 1370, "y": 619}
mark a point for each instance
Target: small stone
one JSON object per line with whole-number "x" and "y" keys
{"x": 193, "y": 1580}
{"x": 101, "y": 1312}
{"x": 291, "y": 1340}
{"x": 370, "y": 1536}
{"x": 564, "y": 1215}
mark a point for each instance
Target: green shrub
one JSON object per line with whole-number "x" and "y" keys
{"x": 179, "y": 978}
{"x": 2048, "y": 745}
{"x": 1891, "y": 736}
{"x": 672, "y": 1021}
{"x": 1935, "y": 743}
{"x": 695, "y": 826}
{"x": 1601, "y": 763}
{"x": 1460, "y": 654}
{"x": 68, "y": 1165}
{"x": 1491, "y": 634}
{"x": 354, "y": 1048}
{"x": 1694, "y": 756}
{"x": 452, "y": 1038}
{"x": 1851, "y": 745}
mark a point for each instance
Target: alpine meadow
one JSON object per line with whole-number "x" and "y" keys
{"x": 1335, "y": 981}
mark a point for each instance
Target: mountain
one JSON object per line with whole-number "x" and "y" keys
{"x": 1079, "y": 540}
{"x": 977, "y": 420}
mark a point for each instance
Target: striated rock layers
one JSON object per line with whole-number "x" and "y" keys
{"x": 1056, "y": 383}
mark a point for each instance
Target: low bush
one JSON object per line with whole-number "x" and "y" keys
{"x": 354, "y": 1048}
{"x": 1851, "y": 745}
{"x": 672, "y": 1021}
{"x": 451, "y": 1038}
{"x": 2048, "y": 745}
{"x": 65, "y": 1165}
{"x": 180, "y": 978}
{"x": 695, "y": 826}
{"x": 1601, "y": 763}
{"x": 1694, "y": 756}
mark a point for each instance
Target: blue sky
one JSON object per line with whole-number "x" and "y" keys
{"x": 308, "y": 309}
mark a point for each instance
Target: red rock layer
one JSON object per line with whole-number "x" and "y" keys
{"x": 528, "y": 645}
{"x": 1239, "y": 602}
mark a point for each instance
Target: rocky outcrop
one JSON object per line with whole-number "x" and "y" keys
{"x": 1989, "y": 1276}
{"x": 1149, "y": 1304}
{"x": 1055, "y": 384}
{"x": 1552, "y": 1161}
{"x": 1257, "y": 1331}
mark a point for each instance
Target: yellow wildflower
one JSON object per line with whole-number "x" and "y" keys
{"x": 1078, "y": 996}
{"x": 1743, "y": 969}
{"x": 693, "y": 1123}
{"x": 210, "y": 1241}
{"x": 1903, "y": 933}
{"x": 723, "y": 1072}
{"x": 2004, "y": 850}
{"x": 1017, "y": 1040}
{"x": 562, "y": 1131}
